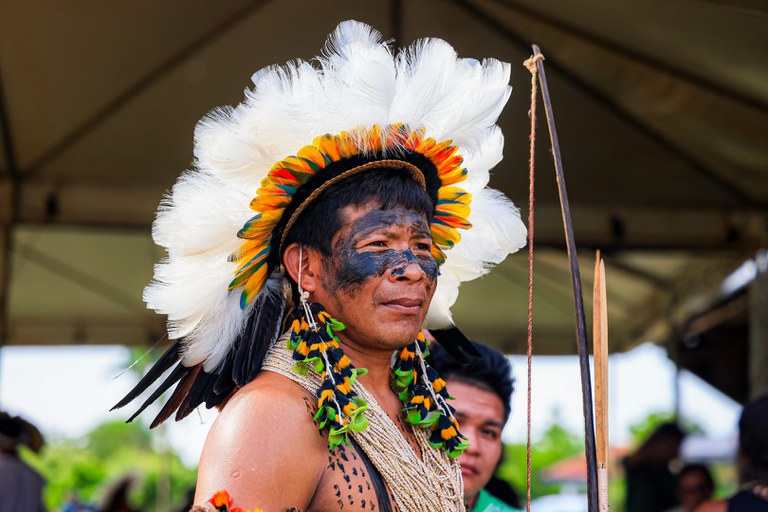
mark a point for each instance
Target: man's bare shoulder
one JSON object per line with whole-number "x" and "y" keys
{"x": 264, "y": 447}
{"x": 271, "y": 392}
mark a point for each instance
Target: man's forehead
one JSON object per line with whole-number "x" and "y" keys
{"x": 373, "y": 214}
{"x": 471, "y": 400}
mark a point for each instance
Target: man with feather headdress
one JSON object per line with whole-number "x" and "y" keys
{"x": 304, "y": 251}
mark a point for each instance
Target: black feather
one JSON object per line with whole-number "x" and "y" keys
{"x": 178, "y": 396}
{"x": 211, "y": 398}
{"x": 217, "y": 400}
{"x": 172, "y": 379}
{"x": 455, "y": 343}
{"x": 196, "y": 394}
{"x": 261, "y": 330}
{"x": 241, "y": 348}
{"x": 225, "y": 383}
{"x": 168, "y": 359}
{"x": 197, "y": 386}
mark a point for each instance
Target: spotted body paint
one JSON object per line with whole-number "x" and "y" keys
{"x": 349, "y": 481}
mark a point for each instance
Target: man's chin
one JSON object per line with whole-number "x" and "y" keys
{"x": 397, "y": 339}
{"x": 406, "y": 325}
{"x": 405, "y": 336}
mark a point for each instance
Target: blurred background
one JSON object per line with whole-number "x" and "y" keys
{"x": 662, "y": 113}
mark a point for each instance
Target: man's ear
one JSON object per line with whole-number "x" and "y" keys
{"x": 309, "y": 279}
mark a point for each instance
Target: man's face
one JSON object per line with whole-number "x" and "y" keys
{"x": 380, "y": 277}
{"x": 692, "y": 490}
{"x": 481, "y": 419}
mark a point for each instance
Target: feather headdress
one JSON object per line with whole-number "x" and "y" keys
{"x": 301, "y": 125}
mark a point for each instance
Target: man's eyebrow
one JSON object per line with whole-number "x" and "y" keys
{"x": 494, "y": 423}
{"x": 370, "y": 230}
{"x": 420, "y": 229}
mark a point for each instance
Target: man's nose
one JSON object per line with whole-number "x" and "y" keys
{"x": 408, "y": 268}
{"x": 470, "y": 435}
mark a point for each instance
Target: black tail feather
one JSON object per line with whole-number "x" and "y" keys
{"x": 168, "y": 359}
{"x": 265, "y": 332}
{"x": 211, "y": 398}
{"x": 178, "y": 396}
{"x": 224, "y": 381}
{"x": 455, "y": 343}
{"x": 242, "y": 346}
{"x": 242, "y": 364}
{"x": 172, "y": 379}
{"x": 195, "y": 395}
{"x": 262, "y": 328}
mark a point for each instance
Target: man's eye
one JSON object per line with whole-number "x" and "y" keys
{"x": 421, "y": 246}
{"x": 377, "y": 243}
{"x": 490, "y": 434}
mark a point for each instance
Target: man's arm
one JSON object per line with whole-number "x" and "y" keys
{"x": 264, "y": 448}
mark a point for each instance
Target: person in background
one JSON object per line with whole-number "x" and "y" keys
{"x": 117, "y": 499}
{"x": 482, "y": 389}
{"x": 651, "y": 485}
{"x": 694, "y": 486}
{"x": 21, "y": 487}
{"x": 752, "y": 461}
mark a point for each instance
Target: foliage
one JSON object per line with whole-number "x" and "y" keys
{"x": 642, "y": 429}
{"x": 555, "y": 445}
{"x": 88, "y": 466}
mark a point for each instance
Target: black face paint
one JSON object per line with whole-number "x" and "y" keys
{"x": 351, "y": 268}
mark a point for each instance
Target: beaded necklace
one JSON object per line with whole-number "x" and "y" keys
{"x": 429, "y": 483}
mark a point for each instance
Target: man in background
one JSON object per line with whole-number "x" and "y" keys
{"x": 694, "y": 486}
{"x": 482, "y": 389}
{"x": 21, "y": 487}
{"x": 651, "y": 485}
{"x": 752, "y": 461}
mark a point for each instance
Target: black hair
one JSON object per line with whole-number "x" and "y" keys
{"x": 11, "y": 426}
{"x": 669, "y": 430}
{"x": 709, "y": 482}
{"x": 753, "y": 432}
{"x": 492, "y": 371}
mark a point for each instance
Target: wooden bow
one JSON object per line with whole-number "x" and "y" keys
{"x": 596, "y": 487}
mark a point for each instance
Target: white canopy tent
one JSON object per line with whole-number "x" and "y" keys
{"x": 662, "y": 109}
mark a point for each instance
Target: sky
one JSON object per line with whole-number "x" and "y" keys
{"x": 66, "y": 391}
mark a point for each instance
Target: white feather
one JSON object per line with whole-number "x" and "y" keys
{"x": 497, "y": 231}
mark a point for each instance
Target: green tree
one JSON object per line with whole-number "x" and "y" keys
{"x": 641, "y": 430}
{"x": 555, "y": 445}
{"x": 87, "y": 466}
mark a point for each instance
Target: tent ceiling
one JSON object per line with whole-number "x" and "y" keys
{"x": 662, "y": 111}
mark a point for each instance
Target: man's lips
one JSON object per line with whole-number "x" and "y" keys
{"x": 407, "y": 305}
{"x": 468, "y": 469}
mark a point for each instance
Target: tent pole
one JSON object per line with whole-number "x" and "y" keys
{"x": 5, "y": 278}
{"x": 758, "y": 328}
{"x": 396, "y": 21}
{"x": 8, "y": 217}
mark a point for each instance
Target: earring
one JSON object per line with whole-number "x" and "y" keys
{"x": 316, "y": 347}
{"x": 304, "y": 295}
{"x": 425, "y": 397}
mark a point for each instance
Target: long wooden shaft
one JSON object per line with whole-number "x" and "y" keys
{"x": 600, "y": 349}
{"x": 581, "y": 328}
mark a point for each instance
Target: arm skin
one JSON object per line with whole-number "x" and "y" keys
{"x": 264, "y": 448}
